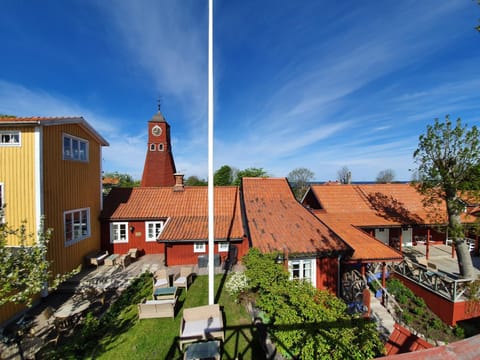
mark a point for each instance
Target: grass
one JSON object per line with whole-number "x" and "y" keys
{"x": 120, "y": 335}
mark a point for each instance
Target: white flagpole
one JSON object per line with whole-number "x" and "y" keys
{"x": 211, "y": 224}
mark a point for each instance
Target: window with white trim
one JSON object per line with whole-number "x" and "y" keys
{"x": 199, "y": 247}
{"x": 10, "y": 138}
{"x": 153, "y": 229}
{"x": 74, "y": 148}
{"x": 160, "y": 147}
{"x": 119, "y": 232}
{"x": 302, "y": 270}
{"x": 223, "y": 247}
{"x": 152, "y": 147}
{"x": 77, "y": 225}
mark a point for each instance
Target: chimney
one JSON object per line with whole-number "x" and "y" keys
{"x": 179, "y": 185}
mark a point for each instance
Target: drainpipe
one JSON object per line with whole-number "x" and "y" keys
{"x": 428, "y": 244}
{"x": 338, "y": 275}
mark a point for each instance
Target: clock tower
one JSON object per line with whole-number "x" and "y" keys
{"x": 159, "y": 166}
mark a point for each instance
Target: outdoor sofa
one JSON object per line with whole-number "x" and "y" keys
{"x": 201, "y": 323}
{"x": 150, "y": 309}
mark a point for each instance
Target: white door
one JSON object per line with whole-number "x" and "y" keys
{"x": 407, "y": 237}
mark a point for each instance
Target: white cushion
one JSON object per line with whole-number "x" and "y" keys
{"x": 158, "y": 302}
{"x": 161, "y": 282}
{"x": 200, "y": 327}
{"x": 181, "y": 280}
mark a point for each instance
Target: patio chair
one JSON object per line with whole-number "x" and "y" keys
{"x": 161, "y": 279}
{"x": 185, "y": 278}
{"x": 201, "y": 323}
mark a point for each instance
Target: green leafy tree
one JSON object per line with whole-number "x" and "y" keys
{"x": 125, "y": 180}
{"x": 249, "y": 172}
{"x": 24, "y": 269}
{"x": 448, "y": 158}
{"x": 224, "y": 176}
{"x": 195, "y": 181}
{"x": 305, "y": 322}
{"x": 385, "y": 176}
{"x": 299, "y": 179}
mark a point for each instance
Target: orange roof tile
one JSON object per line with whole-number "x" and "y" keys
{"x": 49, "y": 121}
{"x": 278, "y": 222}
{"x": 402, "y": 341}
{"x": 379, "y": 204}
{"x": 366, "y": 247}
{"x": 186, "y": 211}
{"x": 467, "y": 349}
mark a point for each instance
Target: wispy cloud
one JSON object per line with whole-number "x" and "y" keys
{"x": 169, "y": 41}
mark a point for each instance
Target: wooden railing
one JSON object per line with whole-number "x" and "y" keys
{"x": 388, "y": 299}
{"x": 439, "y": 282}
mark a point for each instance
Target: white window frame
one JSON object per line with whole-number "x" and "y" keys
{"x": 13, "y": 134}
{"x": 199, "y": 247}
{"x": 223, "y": 246}
{"x": 74, "y": 151}
{"x": 119, "y": 225}
{"x": 76, "y": 224}
{"x": 302, "y": 270}
{"x": 160, "y": 147}
{"x": 158, "y": 227}
{"x": 2, "y": 201}
{"x": 153, "y": 147}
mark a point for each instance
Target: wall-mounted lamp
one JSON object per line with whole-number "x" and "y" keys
{"x": 279, "y": 259}
{"x": 132, "y": 228}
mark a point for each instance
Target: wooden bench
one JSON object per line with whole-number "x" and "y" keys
{"x": 96, "y": 257}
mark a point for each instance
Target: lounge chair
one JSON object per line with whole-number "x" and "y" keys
{"x": 201, "y": 323}
{"x": 185, "y": 278}
{"x": 161, "y": 279}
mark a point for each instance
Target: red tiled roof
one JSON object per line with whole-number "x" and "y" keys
{"x": 277, "y": 222}
{"x": 379, "y": 204}
{"x": 467, "y": 349}
{"x": 403, "y": 341}
{"x": 110, "y": 181}
{"x": 186, "y": 211}
{"x": 48, "y": 121}
{"x": 366, "y": 247}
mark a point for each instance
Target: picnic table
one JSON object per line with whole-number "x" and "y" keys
{"x": 203, "y": 350}
{"x": 71, "y": 308}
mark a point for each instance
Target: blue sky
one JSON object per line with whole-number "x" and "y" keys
{"x": 316, "y": 84}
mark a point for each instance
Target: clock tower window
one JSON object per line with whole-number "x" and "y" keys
{"x": 160, "y": 147}
{"x": 152, "y": 147}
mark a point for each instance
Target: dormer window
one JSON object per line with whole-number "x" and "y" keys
{"x": 10, "y": 138}
{"x": 152, "y": 147}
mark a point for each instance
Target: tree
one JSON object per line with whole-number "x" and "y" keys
{"x": 195, "y": 181}
{"x": 125, "y": 180}
{"x": 448, "y": 158}
{"x": 344, "y": 175}
{"x": 299, "y": 178}
{"x": 307, "y": 323}
{"x": 24, "y": 269}
{"x": 385, "y": 176}
{"x": 224, "y": 176}
{"x": 249, "y": 172}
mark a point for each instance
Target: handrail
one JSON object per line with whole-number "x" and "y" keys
{"x": 386, "y": 295}
{"x": 442, "y": 283}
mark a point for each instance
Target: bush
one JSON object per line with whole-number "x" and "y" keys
{"x": 236, "y": 283}
{"x": 459, "y": 332}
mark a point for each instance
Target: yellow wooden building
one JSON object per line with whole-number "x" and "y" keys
{"x": 51, "y": 167}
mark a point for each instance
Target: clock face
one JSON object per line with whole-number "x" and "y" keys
{"x": 156, "y": 130}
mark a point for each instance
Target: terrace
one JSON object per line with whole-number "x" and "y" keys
{"x": 116, "y": 331}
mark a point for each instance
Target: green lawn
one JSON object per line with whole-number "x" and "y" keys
{"x": 126, "y": 337}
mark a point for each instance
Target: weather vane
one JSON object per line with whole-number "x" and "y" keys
{"x": 159, "y": 103}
